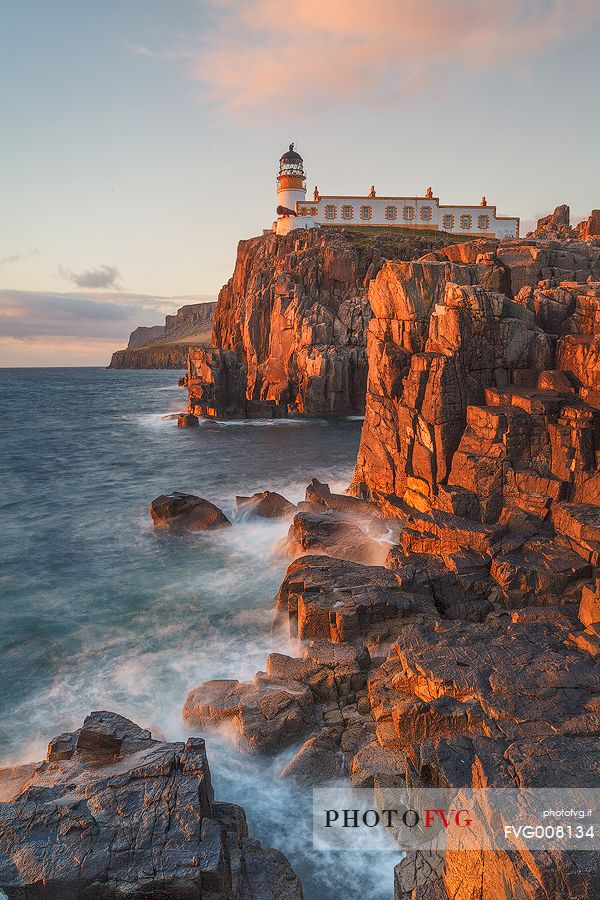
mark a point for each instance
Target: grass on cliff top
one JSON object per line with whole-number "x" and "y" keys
{"x": 197, "y": 339}
{"x": 364, "y": 236}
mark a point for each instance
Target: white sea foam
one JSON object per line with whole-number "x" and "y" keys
{"x": 271, "y": 423}
{"x": 104, "y": 611}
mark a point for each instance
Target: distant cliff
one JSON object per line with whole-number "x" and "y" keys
{"x": 166, "y": 346}
{"x": 290, "y": 325}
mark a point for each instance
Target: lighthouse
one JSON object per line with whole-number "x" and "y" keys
{"x": 291, "y": 190}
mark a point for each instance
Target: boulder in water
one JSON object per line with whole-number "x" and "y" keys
{"x": 186, "y": 512}
{"x": 187, "y": 420}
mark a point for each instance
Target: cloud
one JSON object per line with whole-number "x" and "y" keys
{"x": 17, "y": 257}
{"x": 102, "y": 277}
{"x": 76, "y": 329}
{"x": 26, "y": 315}
{"x": 267, "y": 55}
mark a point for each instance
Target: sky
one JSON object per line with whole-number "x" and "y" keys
{"x": 141, "y": 138}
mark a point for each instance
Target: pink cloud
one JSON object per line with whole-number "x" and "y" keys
{"x": 265, "y": 55}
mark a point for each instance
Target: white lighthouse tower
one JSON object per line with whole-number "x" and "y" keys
{"x": 291, "y": 190}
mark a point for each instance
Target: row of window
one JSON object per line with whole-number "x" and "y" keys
{"x": 466, "y": 222}
{"x": 408, "y": 214}
{"x": 391, "y": 213}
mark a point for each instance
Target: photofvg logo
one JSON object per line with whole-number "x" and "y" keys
{"x": 465, "y": 819}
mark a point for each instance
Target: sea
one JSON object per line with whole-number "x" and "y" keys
{"x": 100, "y": 610}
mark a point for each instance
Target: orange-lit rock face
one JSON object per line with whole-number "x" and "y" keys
{"x": 296, "y": 313}
{"x": 484, "y": 379}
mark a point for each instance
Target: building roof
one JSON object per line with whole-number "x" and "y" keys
{"x": 291, "y": 155}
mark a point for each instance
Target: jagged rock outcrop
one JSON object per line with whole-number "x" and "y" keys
{"x": 479, "y": 402}
{"x": 499, "y": 705}
{"x": 482, "y": 436}
{"x": 556, "y": 226}
{"x": 590, "y": 227}
{"x": 295, "y": 314}
{"x": 113, "y": 814}
{"x": 166, "y": 346}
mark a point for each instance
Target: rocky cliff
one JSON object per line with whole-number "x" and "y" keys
{"x": 483, "y": 381}
{"x": 166, "y": 346}
{"x": 447, "y": 610}
{"x": 143, "y": 335}
{"x": 290, "y": 326}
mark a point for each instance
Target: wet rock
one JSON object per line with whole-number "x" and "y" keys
{"x": 264, "y": 505}
{"x": 266, "y": 714}
{"x": 318, "y": 760}
{"x": 187, "y": 420}
{"x": 335, "y": 533}
{"x": 267, "y": 875}
{"x": 186, "y": 512}
{"x": 320, "y": 495}
{"x": 216, "y": 384}
{"x": 127, "y": 816}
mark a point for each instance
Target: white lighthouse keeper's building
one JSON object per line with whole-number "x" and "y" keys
{"x": 370, "y": 210}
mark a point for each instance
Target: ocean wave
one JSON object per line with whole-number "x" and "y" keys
{"x": 270, "y": 422}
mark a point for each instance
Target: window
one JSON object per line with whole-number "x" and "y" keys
{"x": 365, "y": 212}
{"x": 483, "y": 222}
{"x": 330, "y": 212}
{"x": 391, "y": 212}
{"x": 426, "y": 213}
{"x": 408, "y": 213}
{"x": 302, "y": 210}
{"x": 448, "y": 221}
{"x": 466, "y": 222}
{"x": 346, "y": 212}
